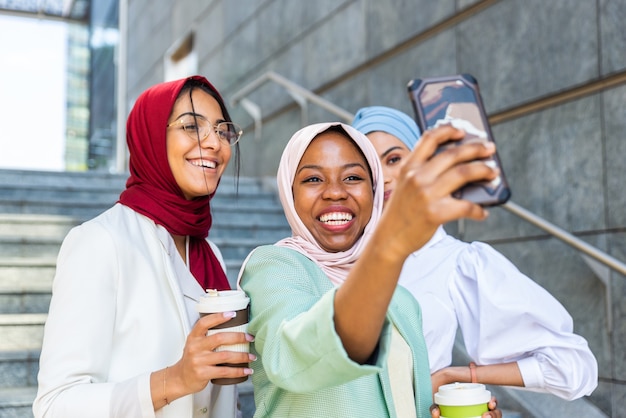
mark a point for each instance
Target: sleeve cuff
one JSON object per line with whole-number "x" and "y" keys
{"x": 531, "y": 372}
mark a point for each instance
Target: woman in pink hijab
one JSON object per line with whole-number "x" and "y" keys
{"x": 334, "y": 334}
{"x": 123, "y": 338}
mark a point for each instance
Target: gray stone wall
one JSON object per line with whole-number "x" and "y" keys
{"x": 564, "y": 160}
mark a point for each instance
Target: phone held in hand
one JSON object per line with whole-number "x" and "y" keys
{"x": 455, "y": 100}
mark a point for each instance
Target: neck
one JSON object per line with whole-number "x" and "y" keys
{"x": 181, "y": 245}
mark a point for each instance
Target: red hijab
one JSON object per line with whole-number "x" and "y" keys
{"x": 151, "y": 189}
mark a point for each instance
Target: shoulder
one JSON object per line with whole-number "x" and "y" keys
{"x": 275, "y": 255}
{"x": 117, "y": 218}
{"x": 482, "y": 256}
{"x": 274, "y": 266}
{"x": 119, "y": 227}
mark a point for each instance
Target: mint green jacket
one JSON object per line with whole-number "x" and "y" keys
{"x": 302, "y": 369}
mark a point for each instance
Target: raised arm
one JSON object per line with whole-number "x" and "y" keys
{"x": 421, "y": 202}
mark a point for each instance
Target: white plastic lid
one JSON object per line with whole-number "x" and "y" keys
{"x": 460, "y": 394}
{"x": 221, "y": 301}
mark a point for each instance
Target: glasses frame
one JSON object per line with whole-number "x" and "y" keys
{"x": 194, "y": 134}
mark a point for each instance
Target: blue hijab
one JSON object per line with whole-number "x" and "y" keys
{"x": 385, "y": 119}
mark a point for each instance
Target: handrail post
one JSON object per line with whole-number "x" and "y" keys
{"x": 255, "y": 112}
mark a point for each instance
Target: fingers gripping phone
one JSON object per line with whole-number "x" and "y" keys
{"x": 455, "y": 100}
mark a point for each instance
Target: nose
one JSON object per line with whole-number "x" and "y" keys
{"x": 387, "y": 174}
{"x": 212, "y": 140}
{"x": 335, "y": 190}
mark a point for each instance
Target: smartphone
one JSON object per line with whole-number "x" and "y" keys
{"x": 455, "y": 100}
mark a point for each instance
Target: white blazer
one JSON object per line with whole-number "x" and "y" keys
{"x": 117, "y": 314}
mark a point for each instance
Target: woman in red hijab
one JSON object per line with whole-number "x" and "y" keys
{"x": 123, "y": 338}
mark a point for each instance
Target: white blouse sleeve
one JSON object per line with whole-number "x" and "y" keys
{"x": 505, "y": 316}
{"x": 72, "y": 380}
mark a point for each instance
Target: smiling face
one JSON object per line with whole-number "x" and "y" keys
{"x": 391, "y": 152}
{"x": 196, "y": 166}
{"x": 332, "y": 191}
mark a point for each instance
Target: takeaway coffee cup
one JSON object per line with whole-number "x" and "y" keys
{"x": 223, "y": 301}
{"x": 462, "y": 400}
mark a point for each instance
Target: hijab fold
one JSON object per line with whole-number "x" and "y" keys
{"x": 385, "y": 119}
{"x": 151, "y": 189}
{"x": 335, "y": 265}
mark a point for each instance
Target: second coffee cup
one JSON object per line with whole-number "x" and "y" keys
{"x": 224, "y": 301}
{"x": 462, "y": 400}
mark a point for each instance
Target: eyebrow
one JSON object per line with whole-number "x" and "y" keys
{"x": 198, "y": 116}
{"x": 319, "y": 167}
{"x": 384, "y": 154}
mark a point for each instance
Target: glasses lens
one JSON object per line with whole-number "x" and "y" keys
{"x": 196, "y": 127}
{"x": 229, "y": 132}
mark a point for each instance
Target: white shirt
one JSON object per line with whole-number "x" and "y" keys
{"x": 504, "y": 316}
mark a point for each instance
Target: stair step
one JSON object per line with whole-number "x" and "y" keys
{"x": 26, "y": 288}
{"x": 267, "y": 232}
{"x": 26, "y": 273}
{"x": 64, "y": 197}
{"x": 232, "y": 213}
{"x": 42, "y": 225}
{"x": 77, "y": 179}
{"x": 12, "y": 302}
{"x": 17, "y": 402}
{"x": 15, "y": 246}
{"x": 30, "y": 180}
{"x": 21, "y": 331}
{"x": 30, "y": 248}
{"x": 19, "y": 368}
{"x": 237, "y": 249}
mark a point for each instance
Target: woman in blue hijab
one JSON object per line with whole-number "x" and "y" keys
{"x": 472, "y": 286}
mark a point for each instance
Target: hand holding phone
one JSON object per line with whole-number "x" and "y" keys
{"x": 455, "y": 100}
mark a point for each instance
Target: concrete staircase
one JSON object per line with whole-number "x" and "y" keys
{"x": 37, "y": 209}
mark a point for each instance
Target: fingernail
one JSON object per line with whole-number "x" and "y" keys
{"x": 490, "y": 145}
{"x": 230, "y": 314}
{"x": 247, "y": 371}
{"x": 251, "y": 356}
{"x": 249, "y": 337}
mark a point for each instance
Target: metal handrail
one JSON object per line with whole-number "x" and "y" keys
{"x": 300, "y": 92}
{"x": 293, "y": 89}
{"x": 566, "y": 237}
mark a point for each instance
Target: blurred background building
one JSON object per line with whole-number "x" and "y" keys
{"x": 553, "y": 78}
{"x": 92, "y": 38}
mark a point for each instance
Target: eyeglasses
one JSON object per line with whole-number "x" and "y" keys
{"x": 199, "y": 127}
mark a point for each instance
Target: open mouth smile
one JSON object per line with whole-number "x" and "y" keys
{"x": 336, "y": 218}
{"x": 203, "y": 163}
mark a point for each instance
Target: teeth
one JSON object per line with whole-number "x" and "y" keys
{"x": 336, "y": 218}
{"x": 203, "y": 163}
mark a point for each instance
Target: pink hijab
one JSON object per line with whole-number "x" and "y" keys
{"x": 335, "y": 265}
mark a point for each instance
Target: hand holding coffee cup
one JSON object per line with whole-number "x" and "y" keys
{"x": 462, "y": 400}
{"x": 224, "y": 301}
